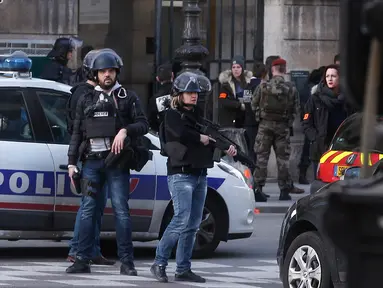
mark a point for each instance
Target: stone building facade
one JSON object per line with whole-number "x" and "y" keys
{"x": 304, "y": 32}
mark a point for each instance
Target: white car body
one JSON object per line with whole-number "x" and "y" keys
{"x": 36, "y": 201}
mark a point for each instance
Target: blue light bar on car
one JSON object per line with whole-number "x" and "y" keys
{"x": 18, "y": 61}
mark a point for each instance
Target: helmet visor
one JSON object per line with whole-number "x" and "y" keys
{"x": 89, "y": 58}
{"x": 75, "y": 42}
{"x": 204, "y": 83}
{"x": 192, "y": 82}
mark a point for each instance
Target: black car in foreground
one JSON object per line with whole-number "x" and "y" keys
{"x": 306, "y": 256}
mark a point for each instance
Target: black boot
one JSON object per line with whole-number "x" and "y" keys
{"x": 259, "y": 195}
{"x": 284, "y": 195}
{"x": 128, "y": 269}
{"x": 302, "y": 177}
{"x": 159, "y": 272}
{"x": 101, "y": 260}
{"x": 79, "y": 266}
{"x": 189, "y": 276}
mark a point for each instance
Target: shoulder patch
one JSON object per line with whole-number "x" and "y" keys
{"x": 223, "y": 95}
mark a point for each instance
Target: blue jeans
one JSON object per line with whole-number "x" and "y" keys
{"x": 73, "y": 244}
{"x": 188, "y": 195}
{"x": 118, "y": 183}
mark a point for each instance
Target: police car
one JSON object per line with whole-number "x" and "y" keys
{"x": 36, "y": 198}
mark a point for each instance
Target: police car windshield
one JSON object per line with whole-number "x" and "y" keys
{"x": 348, "y": 137}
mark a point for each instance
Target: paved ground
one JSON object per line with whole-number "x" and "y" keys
{"x": 240, "y": 263}
{"x": 273, "y": 205}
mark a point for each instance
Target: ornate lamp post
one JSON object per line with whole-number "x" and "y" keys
{"x": 192, "y": 52}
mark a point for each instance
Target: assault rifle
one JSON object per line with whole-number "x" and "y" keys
{"x": 221, "y": 141}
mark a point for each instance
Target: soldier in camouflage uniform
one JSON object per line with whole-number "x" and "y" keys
{"x": 275, "y": 103}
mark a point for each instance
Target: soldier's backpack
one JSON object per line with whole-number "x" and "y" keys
{"x": 276, "y": 101}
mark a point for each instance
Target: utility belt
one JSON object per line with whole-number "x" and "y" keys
{"x": 282, "y": 117}
{"x": 96, "y": 155}
{"x": 189, "y": 170}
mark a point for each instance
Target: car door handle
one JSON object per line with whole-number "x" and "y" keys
{"x": 63, "y": 167}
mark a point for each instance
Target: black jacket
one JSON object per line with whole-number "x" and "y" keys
{"x": 316, "y": 118}
{"x": 78, "y": 77}
{"x": 197, "y": 156}
{"x": 130, "y": 111}
{"x": 77, "y": 91}
{"x": 230, "y": 113}
{"x": 154, "y": 117}
{"x": 55, "y": 71}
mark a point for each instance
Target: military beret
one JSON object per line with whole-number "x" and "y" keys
{"x": 279, "y": 61}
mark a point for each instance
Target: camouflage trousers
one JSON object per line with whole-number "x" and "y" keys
{"x": 276, "y": 135}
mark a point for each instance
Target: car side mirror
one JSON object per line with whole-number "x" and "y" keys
{"x": 351, "y": 173}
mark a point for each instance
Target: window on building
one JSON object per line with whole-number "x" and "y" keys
{"x": 14, "y": 118}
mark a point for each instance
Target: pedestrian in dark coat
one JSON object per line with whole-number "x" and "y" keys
{"x": 314, "y": 78}
{"x": 325, "y": 110}
{"x": 235, "y": 95}
{"x": 57, "y": 68}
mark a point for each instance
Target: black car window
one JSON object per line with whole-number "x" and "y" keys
{"x": 54, "y": 106}
{"x": 15, "y": 124}
{"x": 348, "y": 136}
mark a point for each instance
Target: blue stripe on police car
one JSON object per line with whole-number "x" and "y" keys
{"x": 42, "y": 183}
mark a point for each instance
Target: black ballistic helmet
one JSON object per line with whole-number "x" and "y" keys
{"x": 190, "y": 82}
{"x": 104, "y": 59}
{"x": 62, "y": 46}
{"x": 87, "y": 62}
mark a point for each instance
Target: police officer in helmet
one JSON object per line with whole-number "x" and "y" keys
{"x": 57, "y": 69}
{"x": 190, "y": 154}
{"x": 105, "y": 120}
{"x": 77, "y": 91}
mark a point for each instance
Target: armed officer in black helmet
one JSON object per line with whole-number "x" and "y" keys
{"x": 57, "y": 68}
{"x": 104, "y": 120}
{"x": 77, "y": 91}
{"x": 190, "y": 154}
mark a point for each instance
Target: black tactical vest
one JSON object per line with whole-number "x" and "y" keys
{"x": 100, "y": 118}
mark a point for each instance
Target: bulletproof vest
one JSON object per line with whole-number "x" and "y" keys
{"x": 276, "y": 100}
{"x": 100, "y": 117}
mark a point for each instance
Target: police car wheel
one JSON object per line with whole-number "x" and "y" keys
{"x": 305, "y": 264}
{"x": 207, "y": 238}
